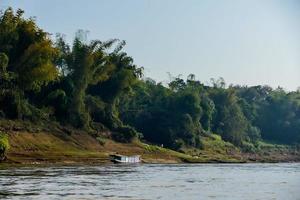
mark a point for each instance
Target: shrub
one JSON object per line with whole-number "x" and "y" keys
{"x": 101, "y": 140}
{"x": 178, "y": 144}
{"x": 152, "y": 148}
{"x": 4, "y": 145}
{"x": 248, "y": 147}
{"x": 125, "y": 134}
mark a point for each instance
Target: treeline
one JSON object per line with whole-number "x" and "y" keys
{"x": 186, "y": 110}
{"x": 96, "y": 85}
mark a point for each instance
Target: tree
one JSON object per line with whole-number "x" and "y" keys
{"x": 124, "y": 75}
{"x": 86, "y": 64}
{"x": 165, "y": 116}
{"x": 27, "y": 56}
{"x": 279, "y": 117}
{"x": 29, "y": 50}
{"x": 229, "y": 120}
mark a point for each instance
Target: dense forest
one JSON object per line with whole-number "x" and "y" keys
{"x": 94, "y": 85}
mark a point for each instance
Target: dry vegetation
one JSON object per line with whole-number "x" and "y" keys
{"x": 53, "y": 144}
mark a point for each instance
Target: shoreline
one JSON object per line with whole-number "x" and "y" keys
{"x": 104, "y": 160}
{"x": 100, "y": 158}
{"x": 4, "y": 165}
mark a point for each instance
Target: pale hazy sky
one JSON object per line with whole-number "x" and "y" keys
{"x": 244, "y": 41}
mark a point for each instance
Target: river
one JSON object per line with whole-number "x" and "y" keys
{"x": 153, "y": 181}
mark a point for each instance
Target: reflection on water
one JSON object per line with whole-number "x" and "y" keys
{"x": 197, "y": 181}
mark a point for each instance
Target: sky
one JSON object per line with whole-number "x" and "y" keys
{"x": 249, "y": 42}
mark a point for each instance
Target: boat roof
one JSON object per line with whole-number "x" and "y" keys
{"x": 125, "y": 155}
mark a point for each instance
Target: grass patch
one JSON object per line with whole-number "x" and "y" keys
{"x": 215, "y": 144}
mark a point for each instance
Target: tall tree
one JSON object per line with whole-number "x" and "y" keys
{"x": 27, "y": 59}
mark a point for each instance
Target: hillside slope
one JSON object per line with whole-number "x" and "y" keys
{"x": 53, "y": 144}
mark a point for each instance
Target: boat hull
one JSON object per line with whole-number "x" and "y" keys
{"x": 125, "y": 159}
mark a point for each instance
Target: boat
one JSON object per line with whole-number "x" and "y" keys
{"x": 117, "y": 158}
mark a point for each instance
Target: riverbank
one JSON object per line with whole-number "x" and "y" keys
{"x": 81, "y": 148}
{"x": 53, "y": 144}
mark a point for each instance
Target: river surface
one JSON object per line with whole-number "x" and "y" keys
{"x": 153, "y": 181}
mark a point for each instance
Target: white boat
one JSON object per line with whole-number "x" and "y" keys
{"x": 117, "y": 158}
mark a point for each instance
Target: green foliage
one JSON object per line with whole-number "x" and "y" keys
{"x": 28, "y": 49}
{"x": 208, "y": 107}
{"x": 164, "y": 116}
{"x": 124, "y": 134}
{"x": 279, "y": 117}
{"x": 274, "y": 113}
{"x": 35, "y": 67}
{"x": 229, "y": 120}
{"x": 59, "y": 100}
{"x": 248, "y": 147}
{"x": 253, "y": 133}
{"x": 101, "y": 140}
{"x": 3, "y": 63}
{"x": 153, "y": 148}
{"x": 98, "y": 78}
{"x": 26, "y": 65}
{"x": 96, "y": 82}
{"x": 4, "y": 144}
{"x": 214, "y": 144}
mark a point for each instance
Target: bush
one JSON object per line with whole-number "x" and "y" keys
{"x": 178, "y": 144}
{"x": 4, "y": 145}
{"x": 248, "y": 147}
{"x": 125, "y": 134}
{"x": 101, "y": 140}
{"x": 153, "y": 148}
